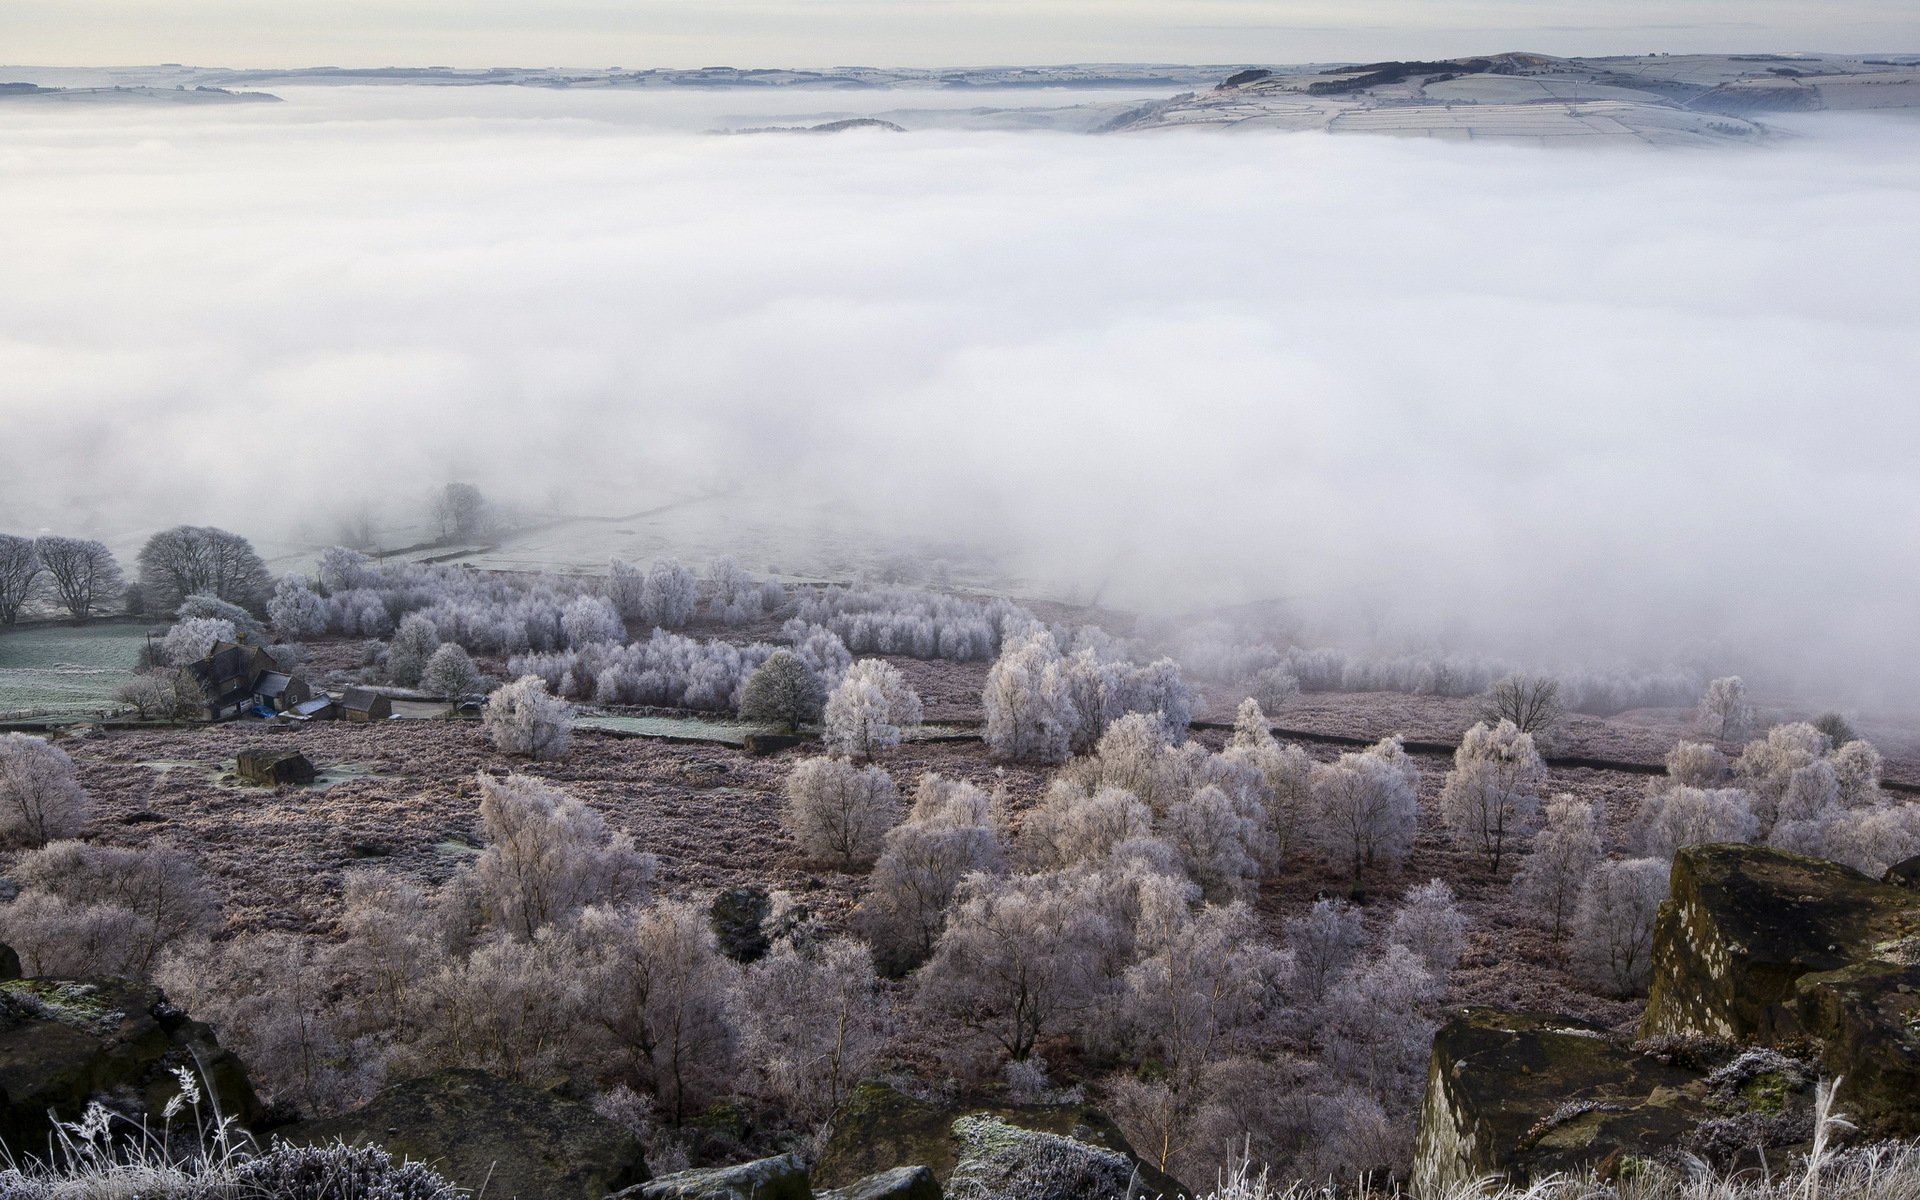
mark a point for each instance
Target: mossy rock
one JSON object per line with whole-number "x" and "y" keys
{"x": 1867, "y": 1019}
{"x": 1746, "y": 923}
{"x": 65, "y": 1042}
{"x": 1526, "y": 1095}
{"x": 880, "y": 1128}
{"x": 478, "y": 1129}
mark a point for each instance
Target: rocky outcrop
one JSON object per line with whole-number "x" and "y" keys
{"x": 1762, "y": 947}
{"x": 1001, "y": 1161}
{"x": 1529, "y": 1094}
{"x": 880, "y": 1128}
{"x": 738, "y": 917}
{"x": 479, "y": 1130}
{"x": 9, "y": 963}
{"x": 64, "y": 1043}
{"x": 901, "y": 1183}
{"x": 782, "y": 1178}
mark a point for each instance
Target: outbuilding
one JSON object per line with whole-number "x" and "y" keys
{"x": 365, "y": 704}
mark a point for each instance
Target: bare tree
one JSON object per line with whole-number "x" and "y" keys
{"x": 523, "y": 719}
{"x": 840, "y": 813}
{"x": 548, "y": 856}
{"x": 1531, "y": 702}
{"x": 816, "y": 1023}
{"x": 1613, "y": 926}
{"x": 83, "y": 573}
{"x": 192, "y": 560}
{"x": 1493, "y": 790}
{"x": 19, "y": 576}
{"x": 783, "y": 691}
{"x": 1565, "y": 850}
{"x": 41, "y": 800}
{"x": 1724, "y": 710}
{"x": 1366, "y": 807}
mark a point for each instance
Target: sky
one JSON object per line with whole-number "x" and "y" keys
{"x": 1618, "y": 403}
{"x": 691, "y": 33}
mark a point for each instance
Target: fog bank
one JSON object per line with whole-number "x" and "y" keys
{"x": 1612, "y": 404}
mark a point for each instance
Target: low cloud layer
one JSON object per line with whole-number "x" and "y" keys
{"x": 1610, "y": 404}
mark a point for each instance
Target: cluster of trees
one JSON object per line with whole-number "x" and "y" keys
{"x": 1117, "y": 917}
{"x": 878, "y": 619}
{"x": 79, "y": 575}
{"x": 1218, "y": 653}
{"x": 1043, "y": 705}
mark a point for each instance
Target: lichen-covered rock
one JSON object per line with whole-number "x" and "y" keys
{"x": 480, "y": 1130}
{"x": 782, "y": 1178}
{"x": 1763, "y": 947}
{"x": 1528, "y": 1094}
{"x": 1745, "y": 924}
{"x": 901, "y": 1183}
{"x": 1905, "y": 873}
{"x": 879, "y": 1128}
{"x": 999, "y": 1161}
{"x": 64, "y": 1043}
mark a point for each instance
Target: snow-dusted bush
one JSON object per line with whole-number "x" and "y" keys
{"x": 1565, "y": 850}
{"x": 192, "y": 639}
{"x": 783, "y": 691}
{"x": 951, "y": 833}
{"x": 667, "y": 669}
{"x": 548, "y": 856}
{"x": 522, "y": 718}
{"x": 1613, "y": 925}
{"x": 1366, "y": 811}
{"x": 1492, "y": 793}
{"x": 1697, "y": 764}
{"x": 868, "y": 710}
{"x": 840, "y": 813}
{"x": 1430, "y": 924}
{"x": 41, "y": 799}
{"x": 668, "y": 595}
{"x": 816, "y": 1023}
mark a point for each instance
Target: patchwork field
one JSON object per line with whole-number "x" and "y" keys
{"x": 65, "y": 670}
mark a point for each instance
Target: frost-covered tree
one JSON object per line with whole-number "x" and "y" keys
{"x": 1531, "y": 703}
{"x": 1565, "y": 850}
{"x": 413, "y": 644}
{"x": 1856, "y": 767}
{"x": 104, "y": 910}
{"x": 737, "y": 596}
{"x": 1286, "y": 775}
{"x": 1366, "y": 807}
{"x": 450, "y": 672}
{"x": 203, "y": 606}
{"x": 192, "y": 639}
{"x": 1613, "y": 925}
{"x": 950, "y": 834}
{"x": 1215, "y": 841}
{"x": 161, "y": 694}
{"x": 522, "y": 718}
{"x": 668, "y": 594}
{"x": 1273, "y": 688}
{"x": 868, "y": 709}
{"x": 1323, "y": 942}
{"x": 1493, "y": 791}
{"x": 783, "y": 691}
{"x": 548, "y": 856}
{"x": 1696, "y": 764}
{"x": 660, "y": 990}
{"x": 1030, "y": 712}
{"x": 341, "y": 569}
{"x": 590, "y": 619}
{"x": 1380, "y": 1025}
{"x": 1685, "y": 816}
{"x": 1019, "y": 957}
{"x": 296, "y": 612}
{"x": 1430, "y": 924}
{"x": 626, "y": 588}
{"x": 816, "y": 1024}
{"x": 41, "y": 799}
{"x": 1724, "y": 710}
{"x": 1205, "y": 992}
{"x": 82, "y": 573}
{"x": 20, "y": 579}
{"x": 192, "y": 559}
{"x": 460, "y": 511}
{"x": 1072, "y": 827}
{"x": 1767, "y": 765}
{"x": 840, "y": 813}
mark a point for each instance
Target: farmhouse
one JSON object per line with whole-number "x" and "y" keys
{"x": 235, "y": 680}
{"x": 365, "y": 704}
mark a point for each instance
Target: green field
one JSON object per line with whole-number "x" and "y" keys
{"x": 66, "y": 670}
